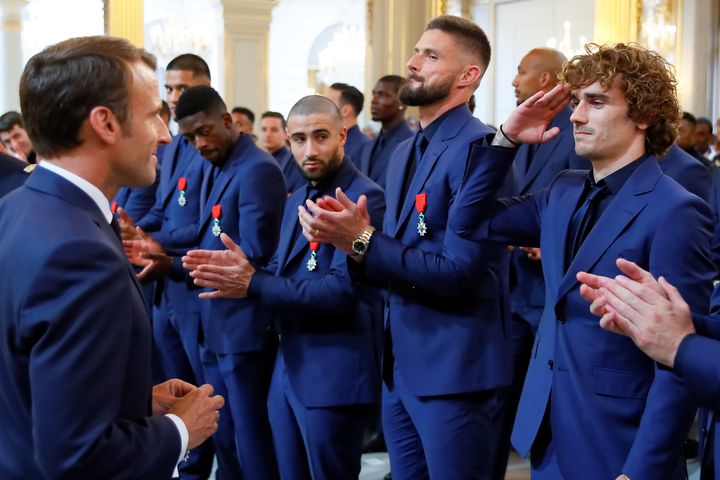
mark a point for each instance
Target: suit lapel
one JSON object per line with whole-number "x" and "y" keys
{"x": 626, "y": 205}
{"x": 169, "y": 169}
{"x": 396, "y": 170}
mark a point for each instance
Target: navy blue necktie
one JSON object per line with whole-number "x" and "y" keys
{"x": 115, "y": 226}
{"x": 421, "y": 144}
{"x": 582, "y": 220}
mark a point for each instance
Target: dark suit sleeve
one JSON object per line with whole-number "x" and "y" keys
{"x": 454, "y": 272}
{"x": 714, "y": 201}
{"x": 152, "y": 221}
{"x": 696, "y": 180}
{"x": 698, "y": 362}
{"x": 80, "y": 321}
{"x": 682, "y": 256}
{"x": 333, "y": 293}
{"x": 261, "y": 204}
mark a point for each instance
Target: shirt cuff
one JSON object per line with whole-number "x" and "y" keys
{"x": 184, "y": 439}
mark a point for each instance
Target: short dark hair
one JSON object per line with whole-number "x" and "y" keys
{"x": 278, "y": 115}
{"x": 316, "y": 104}
{"x": 9, "y": 119}
{"x": 689, "y": 117}
{"x": 468, "y": 35}
{"x": 189, "y": 62}
{"x": 63, "y": 83}
{"x": 200, "y": 98}
{"x": 395, "y": 80}
{"x": 350, "y": 95}
{"x": 700, "y": 120}
{"x": 245, "y": 111}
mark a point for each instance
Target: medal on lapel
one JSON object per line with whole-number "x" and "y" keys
{"x": 114, "y": 206}
{"x": 420, "y": 205}
{"x": 312, "y": 261}
{"x": 216, "y": 211}
{"x": 182, "y": 185}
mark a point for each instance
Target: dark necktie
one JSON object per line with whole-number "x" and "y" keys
{"x": 212, "y": 176}
{"x": 115, "y": 226}
{"x": 375, "y": 153}
{"x": 421, "y": 144}
{"x": 582, "y": 220}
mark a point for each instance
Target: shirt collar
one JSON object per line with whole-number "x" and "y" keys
{"x": 617, "y": 179}
{"x": 434, "y": 126}
{"x": 91, "y": 190}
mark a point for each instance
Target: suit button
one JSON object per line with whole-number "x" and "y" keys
{"x": 550, "y": 364}
{"x": 279, "y": 337}
{"x": 562, "y": 318}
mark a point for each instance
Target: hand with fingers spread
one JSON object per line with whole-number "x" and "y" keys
{"x": 337, "y": 221}
{"x": 144, "y": 251}
{"x": 227, "y": 272}
{"x": 529, "y": 121}
{"x": 653, "y": 314}
{"x": 199, "y": 411}
{"x": 127, "y": 226}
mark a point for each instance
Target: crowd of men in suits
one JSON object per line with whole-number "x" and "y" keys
{"x": 277, "y": 297}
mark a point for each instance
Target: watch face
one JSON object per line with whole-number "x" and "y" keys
{"x": 359, "y": 247}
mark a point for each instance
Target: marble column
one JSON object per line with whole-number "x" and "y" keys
{"x": 10, "y": 53}
{"x": 246, "y": 46}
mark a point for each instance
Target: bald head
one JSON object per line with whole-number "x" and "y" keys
{"x": 316, "y": 104}
{"x": 538, "y": 70}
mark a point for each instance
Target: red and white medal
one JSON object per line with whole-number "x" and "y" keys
{"x": 420, "y": 205}
{"x": 182, "y": 185}
{"x": 216, "y": 212}
{"x": 312, "y": 261}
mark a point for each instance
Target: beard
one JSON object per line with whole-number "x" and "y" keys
{"x": 424, "y": 94}
{"x": 327, "y": 169}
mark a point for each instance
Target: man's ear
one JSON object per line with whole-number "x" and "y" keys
{"x": 471, "y": 76}
{"x": 105, "y": 124}
{"x": 227, "y": 120}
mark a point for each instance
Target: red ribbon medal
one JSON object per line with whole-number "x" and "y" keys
{"x": 312, "y": 261}
{"x": 420, "y": 205}
{"x": 216, "y": 212}
{"x": 113, "y": 207}
{"x": 182, "y": 185}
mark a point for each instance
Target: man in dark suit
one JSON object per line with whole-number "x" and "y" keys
{"x": 76, "y": 375}
{"x": 327, "y": 372}
{"x": 243, "y": 195}
{"x": 273, "y": 135}
{"x": 349, "y": 101}
{"x": 14, "y": 137}
{"x": 593, "y": 405}
{"x": 682, "y": 167}
{"x": 387, "y": 109}
{"x": 176, "y": 312}
{"x": 657, "y": 319}
{"x": 446, "y": 349}
{"x": 13, "y": 173}
{"x": 535, "y": 167}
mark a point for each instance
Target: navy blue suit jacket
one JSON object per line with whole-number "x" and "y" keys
{"x": 447, "y": 301}
{"x": 376, "y": 167}
{"x": 355, "y": 143}
{"x": 76, "y": 342}
{"x": 331, "y": 328}
{"x": 527, "y": 297}
{"x": 180, "y": 160}
{"x": 137, "y": 202}
{"x": 291, "y": 172}
{"x": 610, "y": 403}
{"x": 12, "y": 174}
{"x": 714, "y": 201}
{"x": 251, "y": 192}
{"x": 687, "y": 171}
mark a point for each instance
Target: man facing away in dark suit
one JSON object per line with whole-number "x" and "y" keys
{"x": 386, "y": 108}
{"x": 593, "y": 405}
{"x": 13, "y": 173}
{"x": 78, "y": 400}
{"x": 349, "y": 101}
{"x": 273, "y": 137}
{"x": 447, "y": 351}
{"x": 327, "y": 372}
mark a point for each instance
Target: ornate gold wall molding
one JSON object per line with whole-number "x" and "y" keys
{"x": 125, "y": 19}
{"x": 617, "y": 20}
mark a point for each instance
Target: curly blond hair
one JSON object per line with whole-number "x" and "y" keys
{"x": 645, "y": 77}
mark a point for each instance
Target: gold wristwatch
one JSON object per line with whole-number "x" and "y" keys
{"x": 362, "y": 242}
